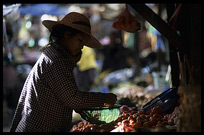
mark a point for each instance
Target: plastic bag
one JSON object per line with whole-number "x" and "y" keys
{"x": 127, "y": 22}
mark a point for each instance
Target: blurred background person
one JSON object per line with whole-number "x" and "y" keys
{"x": 115, "y": 54}
{"x": 85, "y": 72}
{"x": 9, "y": 88}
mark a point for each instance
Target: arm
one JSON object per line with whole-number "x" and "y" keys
{"x": 62, "y": 83}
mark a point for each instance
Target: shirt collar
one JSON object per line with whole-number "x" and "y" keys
{"x": 60, "y": 48}
{"x": 62, "y": 52}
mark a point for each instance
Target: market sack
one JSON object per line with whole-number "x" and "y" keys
{"x": 127, "y": 22}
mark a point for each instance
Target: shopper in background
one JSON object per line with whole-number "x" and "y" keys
{"x": 50, "y": 93}
{"x": 115, "y": 55}
{"x": 85, "y": 72}
{"x": 9, "y": 83}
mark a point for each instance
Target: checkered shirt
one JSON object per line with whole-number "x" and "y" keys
{"x": 50, "y": 95}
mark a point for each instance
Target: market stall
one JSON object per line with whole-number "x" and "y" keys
{"x": 162, "y": 115}
{"x": 158, "y": 89}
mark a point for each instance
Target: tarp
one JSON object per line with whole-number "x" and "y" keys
{"x": 40, "y": 9}
{"x": 10, "y": 8}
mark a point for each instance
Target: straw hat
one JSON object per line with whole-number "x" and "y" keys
{"x": 79, "y": 22}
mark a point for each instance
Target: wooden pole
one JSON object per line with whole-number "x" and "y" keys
{"x": 174, "y": 62}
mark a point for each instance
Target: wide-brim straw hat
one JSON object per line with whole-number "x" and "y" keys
{"x": 78, "y": 22}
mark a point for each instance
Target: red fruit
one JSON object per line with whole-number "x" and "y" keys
{"x": 86, "y": 129}
{"x": 147, "y": 116}
{"x": 139, "y": 121}
{"x": 124, "y": 108}
{"x": 80, "y": 124}
{"x": 86, "y": 123}
{"x": 157, "y": 110}
{"x": 147, "y": 124}
{"x": 145, "y": 120}
{"x": 125, "y": 115}
{"x": 89, "y": 125}
{"x": 142, "y": 116}
{"x": 128, "y": 129}
{"x": 156, "y": 115}
{"x": 141, "y": 112}
{"x": 153, "y": 120}
{"x": 138, "y": 124}
{"x": 134, "y": 116}
{"x": 130, "y": 118}
{"x": 138, "y": 118}
{"x": 151, "y": 113}
{"x": 159, "y": 119}
{"x": 125, "y": 122}
{"x": 166, "y": 116}
{"x": 75, "y": 129}
{"x": 133, "y": 112}
{"x": 131, "y": 123}
{"x": 153, "y": 126}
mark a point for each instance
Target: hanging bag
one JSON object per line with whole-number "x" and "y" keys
{"x": 127, "y": 22}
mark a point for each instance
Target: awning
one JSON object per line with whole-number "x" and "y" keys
{"x": 40, "y": 9}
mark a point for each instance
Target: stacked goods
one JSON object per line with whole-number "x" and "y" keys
{"x": 159, "y": 114}
{"x": 88, "y": 127}
{"x": 137, "y": 95}
{"x": 135, "y": 121}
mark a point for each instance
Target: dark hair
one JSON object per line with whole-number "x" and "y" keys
{"x": 58, "y": 31}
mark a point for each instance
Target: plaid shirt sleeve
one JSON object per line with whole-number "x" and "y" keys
{"x": 61, "y": 80}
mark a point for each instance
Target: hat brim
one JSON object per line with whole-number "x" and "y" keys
{"x": 92, "y": 42}
{"x": 49, "y": 24}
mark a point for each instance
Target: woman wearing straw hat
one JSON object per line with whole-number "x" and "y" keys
{"x": 50, "y": 93}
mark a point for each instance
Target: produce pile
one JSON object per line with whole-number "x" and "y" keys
{"x": 134, "y": 121}
{"x": 138, "y": 95}
{"x": 88, "y": 127}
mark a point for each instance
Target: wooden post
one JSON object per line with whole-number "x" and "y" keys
{"x": 173, "y": 52}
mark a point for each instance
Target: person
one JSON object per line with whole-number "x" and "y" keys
{"x": 9, "y": 90}
{"x": 115, "y": 55}
{"x": 85, "y": 71}
{"x": 9, "y": 82}
{"x": 50, "y": 93}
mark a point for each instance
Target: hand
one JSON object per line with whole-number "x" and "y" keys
{"x": 110, "y": 99}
